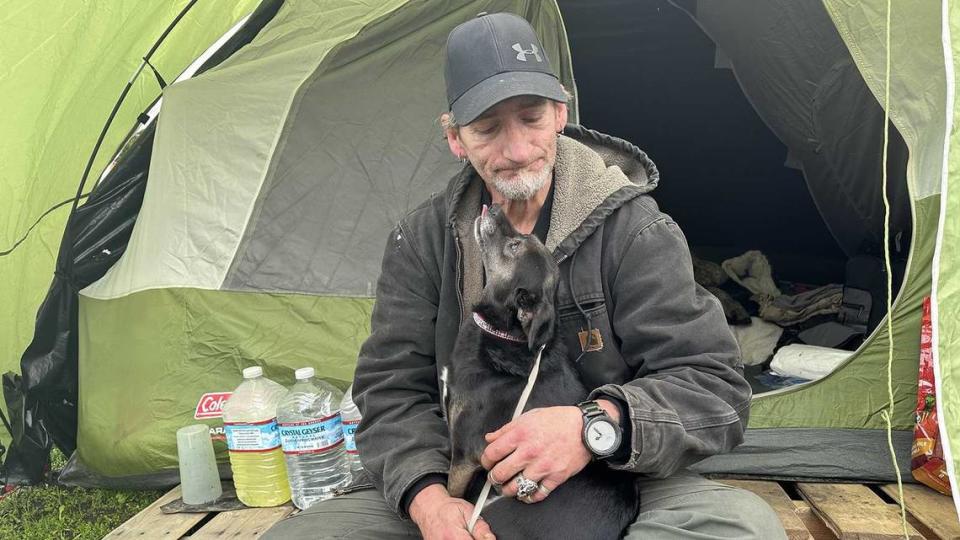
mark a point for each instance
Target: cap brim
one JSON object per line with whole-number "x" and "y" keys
{"x": 501, "y": 86}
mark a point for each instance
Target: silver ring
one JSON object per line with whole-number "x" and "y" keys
{"x": 544, "y": 489}
{"x": 493, "y": 481}
{"x": 525, "y": 486}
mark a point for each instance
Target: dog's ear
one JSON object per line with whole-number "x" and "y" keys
{"x": 536, "y": 316}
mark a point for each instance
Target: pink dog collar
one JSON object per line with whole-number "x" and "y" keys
{"x": 486, "y": 327}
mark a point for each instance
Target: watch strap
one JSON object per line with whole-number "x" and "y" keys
{"x": 590, "y": 409}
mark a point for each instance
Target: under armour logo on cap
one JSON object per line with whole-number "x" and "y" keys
{"x": 492, "y": 58}
{"x": 522, "y": 54}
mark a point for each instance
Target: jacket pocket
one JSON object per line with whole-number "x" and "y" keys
{"x": 593, "y": 349}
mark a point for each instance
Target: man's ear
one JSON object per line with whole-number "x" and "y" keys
{"x": 453, "y": 138}
{"x": 560, "y": 109}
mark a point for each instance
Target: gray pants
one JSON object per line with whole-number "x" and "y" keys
{"x": 682, "y": 506}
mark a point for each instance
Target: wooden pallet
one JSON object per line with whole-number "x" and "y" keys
{"x": 808, "y": 511}
{"x": 855, "y": 511}
{"x": 236, "y": 524}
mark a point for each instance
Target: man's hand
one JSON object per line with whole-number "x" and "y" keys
{"x": 546, "y": 445}
{"x": 442, "y": 517}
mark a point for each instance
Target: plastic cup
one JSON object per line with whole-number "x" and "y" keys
{"x": 199, "y": 478}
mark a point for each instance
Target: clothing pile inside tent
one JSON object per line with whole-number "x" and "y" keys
{"x": 791, "y": 337}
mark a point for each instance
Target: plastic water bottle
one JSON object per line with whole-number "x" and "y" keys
{"x": 312, "y": 439}
{"x": 351, "y": 419}
{"x": 253, "y": 440}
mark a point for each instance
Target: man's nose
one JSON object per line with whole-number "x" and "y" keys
{"x": 516, "y": 146}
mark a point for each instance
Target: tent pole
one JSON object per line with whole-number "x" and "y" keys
{"x": 113, "y": 114}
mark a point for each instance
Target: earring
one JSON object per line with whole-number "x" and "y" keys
{"x": 463, "y": 159}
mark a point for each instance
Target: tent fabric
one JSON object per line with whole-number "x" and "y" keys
{"x": 797, "y": 72}
{"x": 195, "y": 341}
{"x": 263, "y": 81}
{"x": 946, "y": 264}
{"x": 917, "y": 85}
{"x": 355, "y": 180}
{"x": 43, "y": 402}
{"x": 62, "y": 65}
{"x": 286, "y": 179}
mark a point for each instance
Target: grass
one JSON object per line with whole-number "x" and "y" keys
{"x": 53, "y": 512}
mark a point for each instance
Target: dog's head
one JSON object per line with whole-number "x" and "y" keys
{"x": 522, "y": 276}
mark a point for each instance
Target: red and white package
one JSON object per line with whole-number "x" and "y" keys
{"x": 927, "y": 456}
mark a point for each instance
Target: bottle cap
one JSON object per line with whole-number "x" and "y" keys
{"x": 252, "y": 372}
{"x": 303, "y": 373}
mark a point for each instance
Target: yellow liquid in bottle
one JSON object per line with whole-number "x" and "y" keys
{"x": 260, "y": 477}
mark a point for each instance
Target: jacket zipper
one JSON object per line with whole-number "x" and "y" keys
{"x": 353, "y": 487}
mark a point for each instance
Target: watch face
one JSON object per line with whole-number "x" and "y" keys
{"x": 602, "y": 437}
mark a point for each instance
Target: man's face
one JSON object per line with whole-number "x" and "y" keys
{"x": 513, "y": 145}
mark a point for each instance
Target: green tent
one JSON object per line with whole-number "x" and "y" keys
{"x": 275, "y": 174}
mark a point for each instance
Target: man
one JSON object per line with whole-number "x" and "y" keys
{"x": 653, "y": 344}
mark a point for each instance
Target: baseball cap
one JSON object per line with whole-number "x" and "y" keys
{"x": 494, "y": 57}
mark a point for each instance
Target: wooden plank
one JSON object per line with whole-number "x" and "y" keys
{"x": 152, "y": 523}
{"x": 814, "y": 524}
{"x": 920, "y": 527}
{"x": 853, "y": 511}
{"x": 777, "y": 498}
{"x": 242, "y": 524}
{"x": 935, "y": 510}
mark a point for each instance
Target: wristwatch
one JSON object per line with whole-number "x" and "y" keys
{"x": 601, "y": 435}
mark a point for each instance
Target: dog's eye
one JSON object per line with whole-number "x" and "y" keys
{"x": 513, "y": 246}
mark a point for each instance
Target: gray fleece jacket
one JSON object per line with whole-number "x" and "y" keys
{"x": 664, "y": 347}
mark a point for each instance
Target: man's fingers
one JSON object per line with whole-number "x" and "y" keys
{"x": 543, "y": 482}
{"x": 544, "y": 488}
{"x": 481, "y": 531}
{"x": 496, "y": 451}
{"x": 490, "y": 437}
{"x": 505, "y": 473}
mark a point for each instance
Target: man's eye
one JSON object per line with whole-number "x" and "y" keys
{"x": 485, "y": 130}
{"x": 533, "y": 119}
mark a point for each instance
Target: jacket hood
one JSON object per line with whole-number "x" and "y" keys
{"x": 594, "y": 174}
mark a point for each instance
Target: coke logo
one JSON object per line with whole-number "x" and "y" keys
{"x": 211, "y": 405}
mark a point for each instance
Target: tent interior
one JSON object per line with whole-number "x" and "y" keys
{"x": 649, "y": 73}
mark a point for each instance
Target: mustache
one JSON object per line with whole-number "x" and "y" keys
{"x": 520, "y": 169}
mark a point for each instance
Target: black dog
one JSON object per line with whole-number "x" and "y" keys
{"x": 490, "y": 370}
